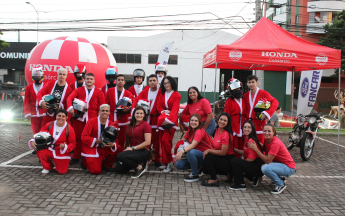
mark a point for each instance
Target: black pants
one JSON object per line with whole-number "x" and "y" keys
{"x": 128, "y": 160}
{"x": 240, "y": 166}
{"x": 215, "y": 164}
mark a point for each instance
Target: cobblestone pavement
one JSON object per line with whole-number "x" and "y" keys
{"x": 318, "y": 187}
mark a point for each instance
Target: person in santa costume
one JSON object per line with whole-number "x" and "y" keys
{"x": 79, "y": 74}
{"x": 251, "y": 98}
{"x": 161, "y": 71}
{"x": 152, "y": 95}
{"x": 168, "y": 106}
{"x": 94, "y": 98}
{"x": 110, "y": 76}
{"x": 32, "y": 110}
{"x": 97, "y": 155}
{"x": 235, "y": 107}
{"x": 112, "y": 97}
{"x": 63, "y": 143}
{"x": 139, "y": 77}
{"x": 59, "y": 89}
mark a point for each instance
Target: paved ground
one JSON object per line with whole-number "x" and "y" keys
{"x": 318, "y": 188}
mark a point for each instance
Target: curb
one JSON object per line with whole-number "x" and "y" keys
{"x": 319, "y": 133}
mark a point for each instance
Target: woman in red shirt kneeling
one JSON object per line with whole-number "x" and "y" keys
{"x": 136, "y": 155}
{"x": 218, "y": 159}
{"x": 199, "y": 141}
{"x": 251, "y": 163}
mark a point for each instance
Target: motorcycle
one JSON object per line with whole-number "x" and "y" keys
{"x": 304, "y": 133}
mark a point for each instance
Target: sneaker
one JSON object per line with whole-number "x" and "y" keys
{"x": 138, "y": 173}
{"x": 238, "y": 187}
{"x": 44, "y": 171}
{"x": 191, "y": 178}
{"x": 256, "y": 181}
{"x": 283, "y": 179}
{"x": 279, "y": 189}
{"x": 200, "y": 173}
{"x": 168, "y": 167}
{"x": 73, "y": 161}
{"x": 162, "y": 167}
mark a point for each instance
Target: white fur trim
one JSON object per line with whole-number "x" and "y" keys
{"x": 58, "y": 157}
{"x": 64, "y": 150}
{"x": 259, "y": 132}
{"x": 27, "y": 115}
{"x": 90, "y": 155}
{"x": 169, "y": 121}
{"x": 93, "y": 143}
{"x": 69, "y": 108}
{"x": 123, "y": 124}
{"x": 266, "y": 114}
{"x": 115, "y": 148}
{"x": 29, "y": 143}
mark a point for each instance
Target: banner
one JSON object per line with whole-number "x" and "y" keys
{"x": 165, "y": 53}
{"x": 308, "y": 88}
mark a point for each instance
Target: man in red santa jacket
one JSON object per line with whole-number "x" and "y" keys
{"x": 152, "y": 95}
{"x": 63, "y": 143}
{"x": 79, "y": 74}
{"x": 139, "y": 77}
{"x": 112, "y": 97}
{"x": 95, "y": 158}
{"x": 59, "y": 89}
{"x": 94, "y": 99}
{"x": 251, "y": 98}
{"x": 110, "y": 76}
{"x": 31, "y": 108}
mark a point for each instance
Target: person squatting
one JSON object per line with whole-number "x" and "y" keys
{"x": 78, "y": 123}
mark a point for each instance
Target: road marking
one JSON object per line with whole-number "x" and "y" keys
{"x": 16, "y": 158}
{"x": 331, "y": 142}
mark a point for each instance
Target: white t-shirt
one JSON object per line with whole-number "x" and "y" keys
{"x": 152, "y": 95}
{"x": 57, "y": 130}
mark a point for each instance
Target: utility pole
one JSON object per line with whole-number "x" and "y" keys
{"x": 258, "y": 12}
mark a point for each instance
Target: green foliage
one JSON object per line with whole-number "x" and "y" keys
{"x": 335, "y": 37}
{"x": 3, "y": 43}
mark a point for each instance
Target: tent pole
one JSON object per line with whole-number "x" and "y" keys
{"x": 339, "y": 109}
{"x": 292, "y": 93}
{"x": 202, "y": 78}
{"x": 214, "y": 93}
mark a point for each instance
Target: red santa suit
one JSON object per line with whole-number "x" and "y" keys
{"x": 32, "y": 109}
{"x": 96, "y": 158}
{"x": 48, "y": 89}
{"x": 153, "y": 98}
{"x": 94, "y": 100}
{"x": 250, "y": 101}
{"x": 137, "y": 89}
{"x": 105, "y": 89}
{"x": 61, "y": 157}
{"x": 111, "y": 98}
{"x": 235, "y": 109}
{"x": 168, "y": 101}
{"x": 74, "y": 85}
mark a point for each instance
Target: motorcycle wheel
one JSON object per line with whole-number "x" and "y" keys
{"x": 305, "y": 149}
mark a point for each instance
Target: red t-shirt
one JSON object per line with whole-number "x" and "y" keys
{"x": 202, "y": 137}
{"x": 223, "y": 139}
{"x": 202, "y": 107}
{"x": 248, "y": 152}
{"x": 278, "y": 149}
{"x": 137, "y": 133}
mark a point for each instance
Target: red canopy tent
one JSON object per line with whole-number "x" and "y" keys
{"x": 267, "y": 46}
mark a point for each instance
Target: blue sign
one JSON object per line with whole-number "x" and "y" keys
{"x": 305, "y": 87}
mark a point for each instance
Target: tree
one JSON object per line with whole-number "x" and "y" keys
{"x": 3, "y": 43}
{"x": 335, "y": 37}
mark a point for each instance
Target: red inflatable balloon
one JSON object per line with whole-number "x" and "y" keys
{"x": 66, "y": 52}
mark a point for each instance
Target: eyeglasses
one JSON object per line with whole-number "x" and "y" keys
{"x": 166, "y": 83}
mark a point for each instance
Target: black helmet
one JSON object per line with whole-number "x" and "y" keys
{"x": 139, "y": 73}
{"x": 111, "y": 75}
{"x": 80, "y": 68}
{"x": 43, "y": 140}
{"x": 109, "y": 135}
{"x": 123, "y": 103}
{"x": 51, "y": 103}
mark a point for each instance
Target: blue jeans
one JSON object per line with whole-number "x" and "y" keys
{"x": 211, "y": 127}
{"x": 194, "y": 161}
{"x": 275, "y": 171}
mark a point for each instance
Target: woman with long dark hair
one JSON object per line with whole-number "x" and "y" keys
{"x": 168, "y": 104}
{"x": 218, "y": 159}
{"x": 136, "y": 155}
{"x": 278, "y": 161}
{"x": 199, "y": 141}
{"x": 251, "y": 163}
{"x": 198, "y": 104}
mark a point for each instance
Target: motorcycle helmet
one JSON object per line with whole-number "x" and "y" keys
{"x": 180, "y": 145}
{"x": 232, "y": 87}
{"x": 37, "y": 75}
{"x": 261, "y": 106}
{"x": 139, "y": 73}
{"x": 51, "y": 103}
{"x": 80, "y": 107}
{"x": 123, "y": 103}
{"x": 111, "y": 75}
{"x": 161, "y": 68}
{"x": 43, "y": 140}
{"x": 145, "y": 104}
{"x": 109, "y": 135}
{"x": 80, "y": 68}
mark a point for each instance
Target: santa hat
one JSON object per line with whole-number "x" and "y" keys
{"x": 80, "y": 68}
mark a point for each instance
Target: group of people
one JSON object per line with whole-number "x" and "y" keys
{"x": 239, "y": 144}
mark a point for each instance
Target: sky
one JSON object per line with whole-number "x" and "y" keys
{"x": 120, "y": 18}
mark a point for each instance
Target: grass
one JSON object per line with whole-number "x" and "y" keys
{"x": 320, "y": 130}
{"x": 17, "y": 120}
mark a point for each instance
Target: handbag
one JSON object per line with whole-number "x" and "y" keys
{"x": 152, "y": 150}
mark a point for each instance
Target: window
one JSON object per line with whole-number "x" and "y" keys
{"x": 153, "y": 58}
{"x": 127, "y": 58}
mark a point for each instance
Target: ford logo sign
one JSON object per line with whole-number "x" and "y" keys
{"x": 304, "y": 87}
